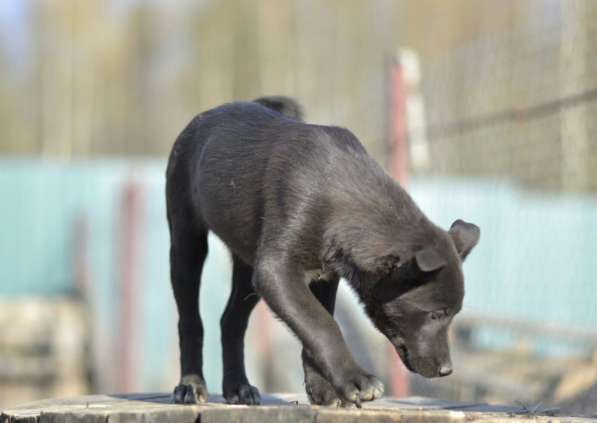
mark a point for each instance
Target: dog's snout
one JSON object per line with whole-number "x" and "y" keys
{"x": 445, "y": 370}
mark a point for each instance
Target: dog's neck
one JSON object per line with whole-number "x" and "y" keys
{"x": 374, "y": 231}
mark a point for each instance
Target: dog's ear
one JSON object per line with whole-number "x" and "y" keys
{"x": 429, "y": 259}
{"x": 407, "y": 273}
{"x": 465, "y": 236}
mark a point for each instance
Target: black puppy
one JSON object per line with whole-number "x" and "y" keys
{"x": 301, "y": 206}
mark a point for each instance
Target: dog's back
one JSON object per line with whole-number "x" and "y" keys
{"x": 232, "y": 162}
{"x": 223, "y": 153}
{"x": 191, "y": 140}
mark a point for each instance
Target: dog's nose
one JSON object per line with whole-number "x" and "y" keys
{"x": 445, "y": 370}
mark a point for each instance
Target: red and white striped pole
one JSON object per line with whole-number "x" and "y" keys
{"x": 409, "y": 149}
{"x": 398, "y": 167}
{"x": 398, "y": 130}
{"x": 129, "y": 239}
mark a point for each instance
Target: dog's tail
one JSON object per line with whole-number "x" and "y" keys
{"x": 284, "y": 105}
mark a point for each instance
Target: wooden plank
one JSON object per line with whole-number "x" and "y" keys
{"x": 282, "y": 408}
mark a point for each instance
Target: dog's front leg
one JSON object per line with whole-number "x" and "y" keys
{"x": 319, "y": 390}
{"x": 282, "y": 286}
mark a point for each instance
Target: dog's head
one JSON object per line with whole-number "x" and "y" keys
{"x": 415, "y": 301}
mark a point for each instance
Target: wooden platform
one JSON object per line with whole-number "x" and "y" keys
{"x": 280, "y": 408}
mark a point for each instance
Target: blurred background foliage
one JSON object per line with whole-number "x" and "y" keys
{"x": 97, "y": 77}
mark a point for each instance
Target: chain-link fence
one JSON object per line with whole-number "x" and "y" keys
{"x": 519, "y": 103}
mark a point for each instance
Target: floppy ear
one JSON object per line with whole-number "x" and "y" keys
{"x": 465, "y": 236}
{"x": 428, "y": 259}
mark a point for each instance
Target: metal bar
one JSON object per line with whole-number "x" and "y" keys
{"x": 445, "y": 130}
{"x": 528, "y": 328}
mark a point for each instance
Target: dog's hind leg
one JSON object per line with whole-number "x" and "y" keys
{"x": 243, "y": 298}
{"x": 188, "y": 250}
{"x": 319, "y": 390}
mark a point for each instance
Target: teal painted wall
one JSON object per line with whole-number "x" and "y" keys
{"x": 41, "y": 200}
{"x": 536, "y": 258}
{"x": 537, "y": 254}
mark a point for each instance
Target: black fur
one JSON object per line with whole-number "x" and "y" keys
{"x": 293, "y": 200}
{"x": 284, "y": 105}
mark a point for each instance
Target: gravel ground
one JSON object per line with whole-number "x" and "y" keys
{"x": 584, "y": 404}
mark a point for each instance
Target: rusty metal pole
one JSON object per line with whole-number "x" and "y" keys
{"x": 128, "y": 261}
{"x": 264, "y": 348}
{"x": 398, "y": 128}
{"x": 398, "y": 166}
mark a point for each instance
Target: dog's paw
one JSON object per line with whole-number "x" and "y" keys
{"x": 319, "y": 390}
{"x": 190, "y": 390}
{"x": 241, "y": 393}
{"x": 356, "y": 386}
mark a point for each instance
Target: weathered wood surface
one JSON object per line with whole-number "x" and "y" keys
{"x": 282, "y": 408}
